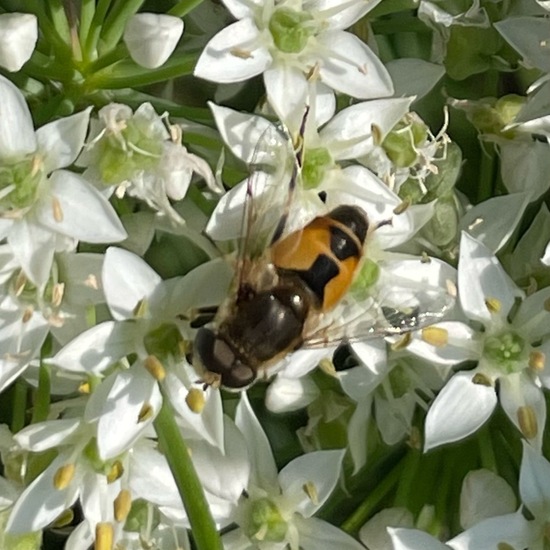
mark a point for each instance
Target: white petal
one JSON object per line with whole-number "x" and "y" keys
{"x": 531, "y": 319}
{"x": 17, "y": 137}
{"x": 349, "y": 134}
{"x": 151, "y": 38}
{"x": 74, "y": 208}
{"x": 480, "y": 276}
{"x": 534, "y": 482}
{"x": 290, "y": 394}
{"x": 360, "y": 381}
{"x": 18, "y": 36}
{"x": 463, "y": 344}
{"x": 60, "y": 141}
{"x": 243, "y": 133}
{"x": 458, "y": 411}
{"x": 512, "y": 529}
{"x": 80, "y": 537}
{"x": 224, "y": 474}
{"x": 484, "y": 494}
{"x": 374, "y": 534}
{"x": 321, "y": 468}
{"x": 278, "y": 80}
{"x": 34, "y": 247}
{"x": 351, "y": 67}
{"x": 45, "y": 435}
{"x": 146, "y": 464}
{"x": 413, "y": 539}
{"x": 243, "y": 8}
{"x": 316, "y": 534}
{"x": 264, "y": 469}
{"x": 97, "y": 348}
{"x": 342, "y": 13}
{"x": 41, "y": 503}
{"x": 234, "y": 54}
{"x": 518, "y": 390}
{"x": 119, "y": 426}
{"x": 493, "y": 221}
{"x": 358, "y": 432}
{"x": 127, "y": 281}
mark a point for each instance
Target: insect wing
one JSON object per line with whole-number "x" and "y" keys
{"x": 393, "y": 312}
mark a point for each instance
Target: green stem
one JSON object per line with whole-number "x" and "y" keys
{"x": 110, "y": 58}
{"x": 113, "y": 29}
{"x": 87, "y": 12}
{"x": 42, "y": 394}
{"x": 19, "y": 405}
{"x": 408, "y": 477}
{"x": 183, "y": 7}
{"x": 92, "y": 37}
{"x": 172, "y": 444}
{"x": 129, "y": 75}
{"x": 365, "y": 509}
{"x": 486, "y": 451}
{"x": 487, "y": 171}
{"x": 59, "y": 19}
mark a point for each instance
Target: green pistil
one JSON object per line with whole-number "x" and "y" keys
{"x": 291, "y": 29}
{"x": 123, "y": 154}
{"x": 265, "y": 522}
{"x": 507, "y": 350}
{"x": 316, "y": 162}
{"x": 19, "y": 184}
{"x": 164, "y": 341}
{"x": 366, "y": 278}
{"x": 399, "y": 381}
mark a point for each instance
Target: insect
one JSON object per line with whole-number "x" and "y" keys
{"x": 291, "y": 293}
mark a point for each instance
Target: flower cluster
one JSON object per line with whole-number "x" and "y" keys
{"x": 148, "y": 182}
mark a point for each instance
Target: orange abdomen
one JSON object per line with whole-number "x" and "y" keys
{"x": 325, "y": 254}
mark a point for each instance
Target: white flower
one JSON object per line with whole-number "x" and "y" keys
{"x": 505, "y": 350}
{"x": 151, "y": 38}
{"x": 289, "y": 40}
{"x": 140, "y": 154}
{"x": 277, "y": 509}
{"x": 18, "y": 36}
{"x": 44, "y": 209}
{"x": 145, "y": 310}
{"x": 30, "y": 311}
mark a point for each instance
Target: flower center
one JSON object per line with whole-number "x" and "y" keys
{"x": 266, "y": 522}
{"x": 291, "y": 29}
{"x": 508, "y": 350}
{"x": 125, "y": 152}
{"x": 316, "y": 162}
{"x": 19, "y": 184}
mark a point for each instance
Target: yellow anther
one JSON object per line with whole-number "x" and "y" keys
{"x": 402, "y": 343}
{"x": 63, "y": 476}
{"x": 57, "y": 211}
{"x": 115, "y": 471}
{"x": 104, "y": 536}
{"x": 140, "y": 308}
{"x": 494, "y": 305}
{"x": 20, "y": 282}
{"x": 327, "y": 366}
{"x": 482, "y": 380}
{"x": 376, "y": 132}
{"x": 527, "y": 421}
{"x": 155, "y": 368}
{"x": 57, "y": 294}
{"x": 195, "y": 400}
{"x": 84, "y": 388}
{"x": 311, "y": 491}
{"x": 435, "y": 336}
{"x": 146, "y": 412}
{"x": 537, "y": 360}
{"x": 65, "y": 518}
{"x": 122, "y": 505}
{"x": 27, "y": 314}
{"x": 401, "y": 207}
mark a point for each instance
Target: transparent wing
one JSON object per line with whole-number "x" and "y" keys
{"x": 391, "y": 312}
{"x": 269, "y": 196}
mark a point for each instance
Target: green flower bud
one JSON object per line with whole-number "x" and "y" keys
{"x": 443, "y": 226}
{"x": 290, "y": 29}
{"x": 265, "y": 522}
{"x": 316, "y": 162}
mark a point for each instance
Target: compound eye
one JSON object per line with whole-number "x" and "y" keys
{"x": 216, "y": 356}
{"x": 239, "y": 376}
{"x": 214, "y": 353}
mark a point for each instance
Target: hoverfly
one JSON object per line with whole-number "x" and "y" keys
{"x": 290, "y": 288}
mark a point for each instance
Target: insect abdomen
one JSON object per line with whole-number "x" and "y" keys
{"x": 325, "y": 254}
